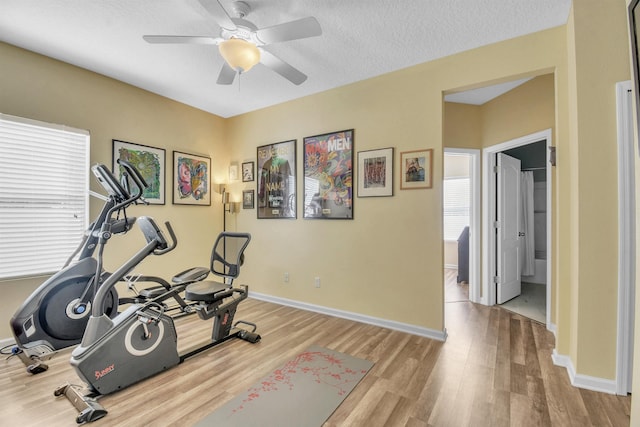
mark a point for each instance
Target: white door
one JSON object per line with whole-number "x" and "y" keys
{"x": 507, "y": 228}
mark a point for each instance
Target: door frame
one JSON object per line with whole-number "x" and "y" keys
{"x": 489, "y": 215}
{"x": 474, "y": 220}
{"x": 627, "y": 236}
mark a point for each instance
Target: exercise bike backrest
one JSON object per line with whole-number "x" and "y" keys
{"x": 227, "y": 254}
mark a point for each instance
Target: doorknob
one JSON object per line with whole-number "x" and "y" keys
{"x": 521, "y": 234}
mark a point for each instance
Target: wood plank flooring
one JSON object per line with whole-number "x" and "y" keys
{"x": 494, "y": 370}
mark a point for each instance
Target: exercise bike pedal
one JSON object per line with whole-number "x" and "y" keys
{"x": 90, "y": 409}
{"x": 246, "y": 335}
{"x": 37, "y": 368}
{"x": 252, "y": 337}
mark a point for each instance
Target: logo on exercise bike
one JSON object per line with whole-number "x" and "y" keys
{"x": 105, "y": 371}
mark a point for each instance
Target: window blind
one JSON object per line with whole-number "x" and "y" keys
{"x": 44, "y": 191}
{"x": 457, "y": 196}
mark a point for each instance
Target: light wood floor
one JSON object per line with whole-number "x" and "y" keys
{"x": 494, "y": 370}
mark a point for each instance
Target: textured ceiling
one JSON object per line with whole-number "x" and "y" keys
{"x": 361, "y": 39}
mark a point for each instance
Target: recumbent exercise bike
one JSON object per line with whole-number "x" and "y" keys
{"x": 142, "y": 340}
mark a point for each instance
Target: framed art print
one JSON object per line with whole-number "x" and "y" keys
{"x": 191, "y": 179}
{"x": 416, "y": 169}
{"x": 247, "y": 171}
{"x": 276, "y": 174}
{"x": 149, "y": 161}
{"x": 233, "y": 172}
{"x": 328, "y": 175}
{"x": 248, "y": 199}
{"x": 375, "y": 173}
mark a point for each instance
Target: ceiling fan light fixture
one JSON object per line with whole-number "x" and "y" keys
{"x": 240, "y": 54}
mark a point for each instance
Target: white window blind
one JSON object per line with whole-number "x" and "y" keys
{"x": 44, "y": 191}
{"x": 457, "y": 196}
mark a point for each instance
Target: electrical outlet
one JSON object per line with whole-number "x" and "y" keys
{"x": 317, "y": 282}
{"x": 286, "y": 277}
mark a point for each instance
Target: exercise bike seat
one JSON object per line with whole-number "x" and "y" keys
{"x": 208, "y": 291}
{"x": 194, "y": 274}
{"x": 226, "y": 258}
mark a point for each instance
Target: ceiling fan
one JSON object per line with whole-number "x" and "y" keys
{"x": 240, "y": 41}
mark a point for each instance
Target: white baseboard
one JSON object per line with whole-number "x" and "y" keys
{"x": 451, "y": 266}
{"x": 553, "y": 328}
{"x": 389, "y": 324}
{"x": 583, "y": 381}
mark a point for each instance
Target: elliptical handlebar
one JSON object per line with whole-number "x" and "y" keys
{"x": 138, "y": 180}
{"x": 135, "y": 174}
{"x": 126, "y": 198}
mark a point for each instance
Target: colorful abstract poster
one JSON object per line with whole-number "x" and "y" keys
{"x": 149, "y": 161}
{"x": 276, "y": 173}
{"x": 191, "y": 179}
{"x": 328, "y": 175}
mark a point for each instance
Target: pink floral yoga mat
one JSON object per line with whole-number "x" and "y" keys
{"x": 305, "y": 391}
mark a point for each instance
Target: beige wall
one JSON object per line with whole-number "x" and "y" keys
{"x": 362, "y": 263}
{"x": 600, "y": 58}
{"x": 527, "y": 109}
{"x": 365, "y": 261}
{"x": 462, "y": 126}
{"x": 387, "y": 262}
{"x": 39, "y": 88}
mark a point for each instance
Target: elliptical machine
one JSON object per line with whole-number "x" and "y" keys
{"x": 142, "y": 340}
{"x": 55, "y": 315}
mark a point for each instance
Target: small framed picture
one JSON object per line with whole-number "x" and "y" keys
{"x": 248, "y": 199}
{"x": 375, "y": 173}
{"x": 416, "y": 169}
{"x": 191, "y": 179}
{"x": 247, "y": 171}
{"x": 233, "y": 173}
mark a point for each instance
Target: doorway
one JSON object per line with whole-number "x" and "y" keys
{"x": 462, "y": 224}
{"x": 521, "y": 147}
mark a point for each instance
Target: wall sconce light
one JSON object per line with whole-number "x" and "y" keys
{"x": 227, "y": 206}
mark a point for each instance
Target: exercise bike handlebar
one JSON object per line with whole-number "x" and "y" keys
{"x": 156, "y": 244}
{"x": 172, "y": 245}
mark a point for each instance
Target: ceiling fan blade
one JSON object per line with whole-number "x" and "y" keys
{"x": 294, "y": 30}
{"x": 219, "y": 14}
{"x": 279, "y": 66}
{"x": 227, "y": 75}
{"x": 182, "y": 39}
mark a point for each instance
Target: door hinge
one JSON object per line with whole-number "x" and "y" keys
{"x": 496, "y": 280}
{"x": 496, "y": 169}
{"x": 496, "y": 224}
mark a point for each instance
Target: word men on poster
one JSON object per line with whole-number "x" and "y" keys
{"x": 277, "y": 180}
{"x": 328, "y": 175}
